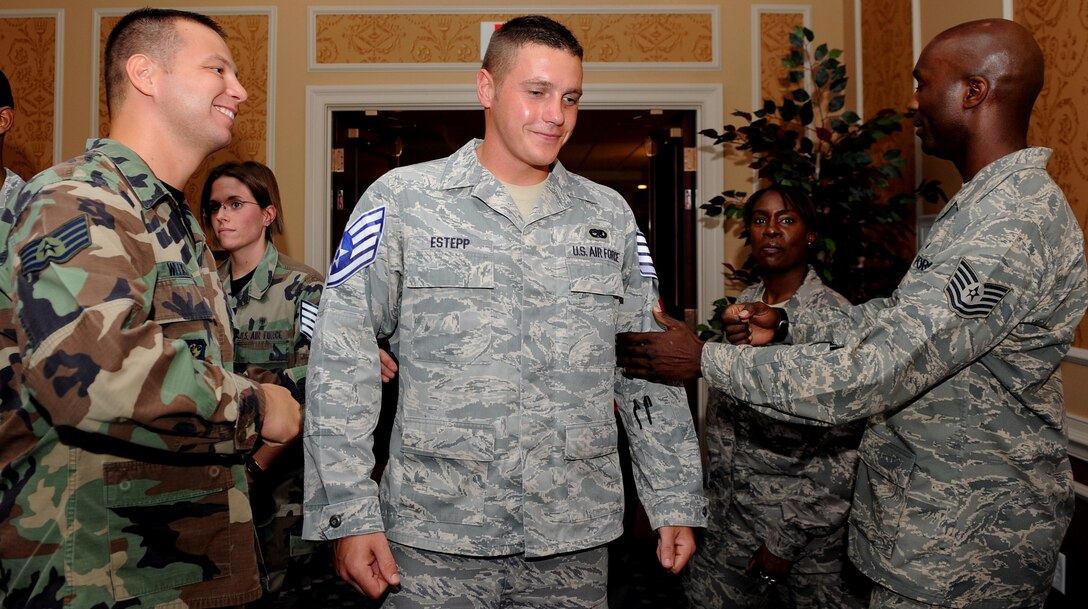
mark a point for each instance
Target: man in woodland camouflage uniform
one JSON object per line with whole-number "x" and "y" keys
{"x": 501, "y": 281}
{"x": 964, "y": 491}
{"x": 122, "y": 421}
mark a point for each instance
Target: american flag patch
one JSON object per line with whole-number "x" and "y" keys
{"x": 307, "y": 318}
{"x": 358, "y": 247}
{"x": 970, "y": 298}
{"x": 645, "y": 262}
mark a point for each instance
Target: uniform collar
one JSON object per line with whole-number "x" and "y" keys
{"x": 262, "y": 273}
{"x": 463, "y": 170}
{"x": 148, "y": 188}
{"x": 993, "y": 174}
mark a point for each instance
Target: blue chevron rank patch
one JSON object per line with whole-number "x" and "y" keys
{"x": 60, "y": 246}
{"x": 645, "y": 262}
{"x": 307, "y": 318}
{"x": 359, "y": 246}
{"x": 970, "y": 298}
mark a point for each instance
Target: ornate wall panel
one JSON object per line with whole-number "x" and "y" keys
{"x": 392, "y": 38}
{"x": 1060, "y": 120}
{"x": 887, "y": 63}
{"x": 774, "y": 44}
{"x": 249, "y": 37}
{"x": 28, "y": 56}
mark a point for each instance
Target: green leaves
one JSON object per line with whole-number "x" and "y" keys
{"x": 809, "y": 140}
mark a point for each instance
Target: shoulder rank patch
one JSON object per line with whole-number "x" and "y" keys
{"x": 969, "y": 298}
{"x": 645, "y": 262}
{"x": 307, "y": 317}
{"x": 61, "y": 245}
{"x": 359, "y": 246}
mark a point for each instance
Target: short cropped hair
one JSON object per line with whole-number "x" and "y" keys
{"x": 792, "y": 198}
{"x": 260, "y": 181}
{"x": 520, "y": 31}
{"x": 147, "y": 31}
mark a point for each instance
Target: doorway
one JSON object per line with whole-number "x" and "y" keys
{"x": 639, "y": 153}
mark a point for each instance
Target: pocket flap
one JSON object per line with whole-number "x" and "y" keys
{"x": 448, "y": 439}
{"x": 589, "y": 440}
{"x": 444, "y": 268}
{"x": 887, "y": 457}
{"x": 595, "y": 277}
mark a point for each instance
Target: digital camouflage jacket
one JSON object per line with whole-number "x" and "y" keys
{"x": 505, "y": 437}
{"x": 964, "y": 489}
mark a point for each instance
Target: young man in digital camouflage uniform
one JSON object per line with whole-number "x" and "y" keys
{"x": 965, "y": 490}
{"x": 122, "y": 422}
{"x": 501, "y": 281}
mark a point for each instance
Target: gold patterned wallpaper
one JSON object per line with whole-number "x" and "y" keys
{"x": 364, "y": 39}
{"x": 1059, "y": 119}
{"x": 248, "y": 38}
{"x": 887, "y": 63}
{"x": 774, "y": 44}
{"x": 28, "y": 56}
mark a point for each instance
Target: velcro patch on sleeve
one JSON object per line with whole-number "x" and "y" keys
{"x": 59, "y": 246}
{"x": 307, "y": 318}
{"x": 358, "y": 247}
{"x": 970, "y": 298}
{"x": 645, "y": 262}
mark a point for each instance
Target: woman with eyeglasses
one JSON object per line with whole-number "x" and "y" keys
{"x": 275, "y": 301}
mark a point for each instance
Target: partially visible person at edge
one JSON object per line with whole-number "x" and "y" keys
{"x": 274, "y": 300}
{"x": 12, "y": 182}
{"x": 779, "y": 492}
{"x": 964, "y": 490}
{"x": 501, "y": 280}
{"x": 123, "y": 424}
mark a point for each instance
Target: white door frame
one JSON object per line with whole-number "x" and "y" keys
{"x": 704, "y": 99}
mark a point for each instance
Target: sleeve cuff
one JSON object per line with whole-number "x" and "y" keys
{"x": 344, "y": 519}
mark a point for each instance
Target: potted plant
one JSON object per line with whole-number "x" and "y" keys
{"x": 808, "y": 141}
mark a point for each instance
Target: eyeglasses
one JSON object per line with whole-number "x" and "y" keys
{"x": 232, "y": 206}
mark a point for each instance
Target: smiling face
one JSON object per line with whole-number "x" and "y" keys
{"x": 199, "y": 89}
{"x": 530, "y": 112}
{"x": 937, "y": 102}
{"x": 778, "y": 235}
{"x": 241, "y": 229}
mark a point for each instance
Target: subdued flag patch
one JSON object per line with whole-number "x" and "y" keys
{"x": 61, "y": 245}
{"x": 645, "y": 262}
{"x": 359, "y": 246}
{"x": 307, "y": 317}
{"x": 970, "y": 298}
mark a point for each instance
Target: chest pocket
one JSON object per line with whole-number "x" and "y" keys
{"x": 180, "y": 307}
{"x": 596, "y": 291}
{"x": 447, "y": 302}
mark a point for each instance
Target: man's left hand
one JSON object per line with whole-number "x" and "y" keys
{"x": 675, "y": 546}
{"x": 669, "y": 356}
{"x": 768, "y": 566}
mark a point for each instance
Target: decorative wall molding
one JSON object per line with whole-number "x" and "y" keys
{"x": 1077, "y": 429}
{"x": 1077, "y": 355}
{"x": 759, "y": 11}
{"x": 57, "y": 93}
{"x": 447, "y": 37}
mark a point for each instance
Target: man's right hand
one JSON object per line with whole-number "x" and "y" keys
{"x": 750, "y": 323}
{"x": 282, "y": 416}
{"x": 365, "y": 562}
